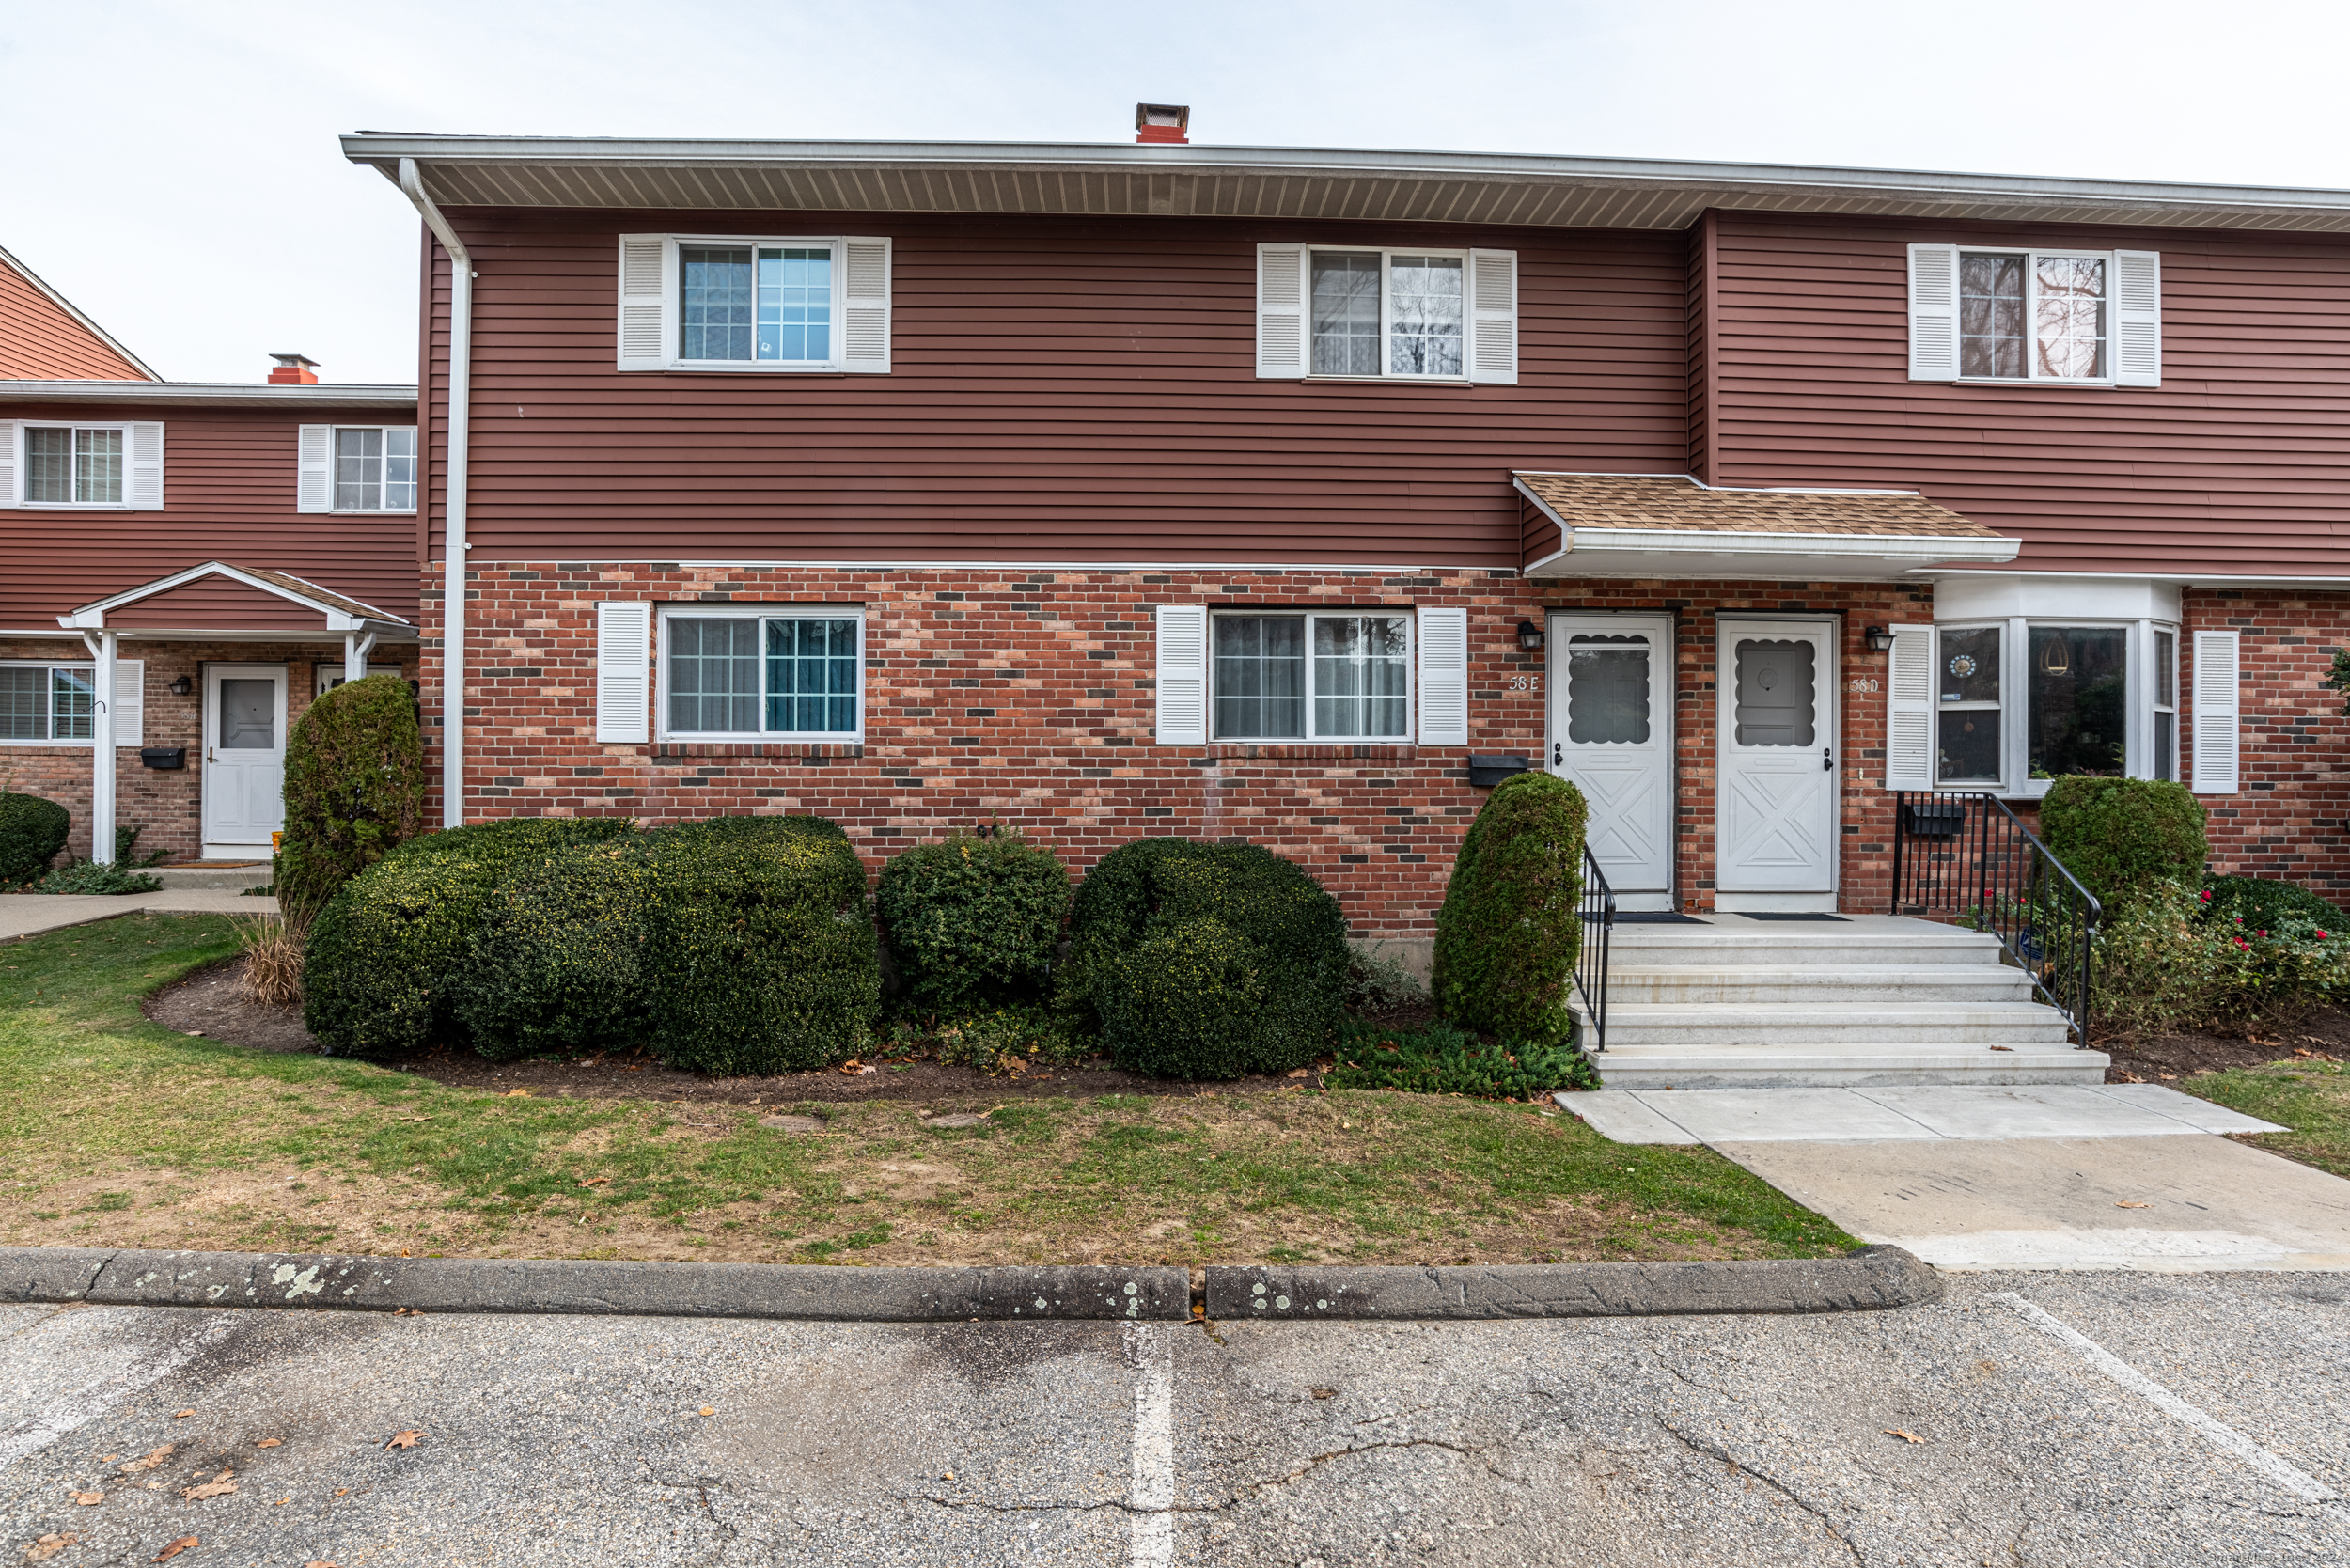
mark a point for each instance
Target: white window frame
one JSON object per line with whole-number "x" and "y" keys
{"x": 2031, "y": 375}
{"x": 1263, "y": 612}
{"x": 50, "y": 716}
{"x": 758, "y": 612}
{"x": 328, "y": 674}
{"x": 2015, "y": 781}
{"x": 334, "y": 483}
{"x": 650, "y": 328}
{"x": 24, "y": 462}
{"x": 1386, "y": 255}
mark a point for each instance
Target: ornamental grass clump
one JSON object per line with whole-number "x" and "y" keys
{"x": 32, "y": 832}
{"x": 556, "y": 963}
{"x": 354, "y": 789}
{"x": 381, "y": 961}
{"x": 2121, "y": 835}
{"x": 1206, "y": 960}
{"x": 972, "y": 922}
{"x": 1511, "y": 927}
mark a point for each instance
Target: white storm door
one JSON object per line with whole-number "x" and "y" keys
{"x": 244, "y": 753}
{"x": 1611, "y": 734}
{"x": 1777, "y": 759}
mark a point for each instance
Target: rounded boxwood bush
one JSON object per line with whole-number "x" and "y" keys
{"x": 760, "y": 953}
{"x": 381, "y": 960}
{"x": 2264, "y": 903}
{"x": 32, "y": 831}
{"x": 556, "y": 963}
{"x": 354, "y": 787}
{"x": 1511, "y": 926}
{"x": 2119, "y": 834}
{"x": 747, "y": 829}
{"x": 973, "y": 921}
{"x": 1206, "y": 960}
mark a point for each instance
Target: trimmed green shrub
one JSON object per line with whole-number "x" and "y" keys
{"x": 1439, "y": 1061}
{"x": 2264, "y": 903}
{"x": 354, "y": 787}
{"x": 1511, "y": 926}
{"x": 556, "y": 963}
{"x": 32, "y": 831}
{"x": 761, "y": 955}
{"x": 974, "y": 922}
{"x": 380, "y": 959}
{"x": 1206, "y": 960}
{"x": 764, "y": 830}
{"x": 2119, "y": 834}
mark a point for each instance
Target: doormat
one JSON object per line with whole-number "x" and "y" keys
{"x": 1779, "y": 916}
{"x": 1657, "y": 918}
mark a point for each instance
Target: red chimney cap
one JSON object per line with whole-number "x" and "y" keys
{"x": 1162, "y": 122}
{"x": 293, "y": 369}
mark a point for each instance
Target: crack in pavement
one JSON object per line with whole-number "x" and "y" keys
{"x": 1715, "y": 1450}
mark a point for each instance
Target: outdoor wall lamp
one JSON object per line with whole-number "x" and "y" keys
{"x": 1879, "y": 640}
{"x": 183, "y": 688}
{"x": 1530, "y": 637}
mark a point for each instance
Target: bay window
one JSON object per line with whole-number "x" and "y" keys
{"x": 2021, "y": 701}
{"x": 761, "y": 675}
{"x": 1311, "y": 676}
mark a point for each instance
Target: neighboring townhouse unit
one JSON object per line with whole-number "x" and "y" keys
{"x": 187, "y": 566}
{"x": 1298, "y": 496}
{"x": 41, "y": 335}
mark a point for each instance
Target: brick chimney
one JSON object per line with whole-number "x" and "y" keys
{"x": 1163, "y": 123}
{"x": 293, "y": 369}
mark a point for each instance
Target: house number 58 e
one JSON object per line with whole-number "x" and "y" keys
{"x": 1525, "y": 683}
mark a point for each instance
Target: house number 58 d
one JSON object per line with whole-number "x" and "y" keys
{"x": 1862, "y": 684}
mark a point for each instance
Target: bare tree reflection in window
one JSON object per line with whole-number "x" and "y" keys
{"x": 2069, "y": 325}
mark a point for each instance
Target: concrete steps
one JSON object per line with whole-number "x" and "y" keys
{"x": 1868, "y": 1000}
{"x": 216, "y": 874}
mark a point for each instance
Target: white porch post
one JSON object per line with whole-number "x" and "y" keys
{"x": 356, "y": 646}
{"x": 102, "y": 768}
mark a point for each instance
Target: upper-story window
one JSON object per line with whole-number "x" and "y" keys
{"x": 356, "y": 468}
{"x": 2072, "y": 316}
{"x": 1420, "y": 315}
{"x": 742, "y": 303}
{"x": 96, "y": 465}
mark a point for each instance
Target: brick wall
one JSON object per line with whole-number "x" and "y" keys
{"x": 166, "y": 806}
{"x": 1024, "y": 696}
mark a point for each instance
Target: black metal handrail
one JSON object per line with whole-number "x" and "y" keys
{"x": 1961, "y": 855}
{"x": 1591, "y": 964}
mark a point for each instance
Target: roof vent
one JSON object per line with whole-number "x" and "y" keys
{"x": 293, "y": 369}
{"x": 1162, "y": 122}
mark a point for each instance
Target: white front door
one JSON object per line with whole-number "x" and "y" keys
{"x": 1776, "y": 818}
{"x": 245, "y": 759}
{"x": 1611, "y": 732}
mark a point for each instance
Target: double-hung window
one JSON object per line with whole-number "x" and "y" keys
{"x": 48, "y": 702}
{"x": 764, "y": 674}
{"x": 1312, "y": 677}
{"x": 2021, "y": 701}
{"x": 82, "y": 465}
{"x": 356, "y": 468}
{"x": 742, "y": 302}
{"x": 1407, "y": 314}
{"x": 2081, "y": 318}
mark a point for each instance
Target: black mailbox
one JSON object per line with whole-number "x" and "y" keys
{"x": 1933, "y": 819}
{"x": 164, "y": 756}
{"x": 1486, "y": 772}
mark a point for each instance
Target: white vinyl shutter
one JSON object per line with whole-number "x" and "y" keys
{"x": 313, "y": 468}
{"x": 1909, "y": 710}
{"x": 2137, "y": 317}
{"x": 1934, "y": 312}
{"x": 145, "y": 491}
{"x": 2218, "y": 717}
{"x": 1443, "y": 677}
{"x": 648, "y": 331}
{"x": 624, "y": 672}
{"x": 865, "y": 306}
{"x": 1281, "y": 347}
{"x": 7, "y": 462}
{"x": 129, "y": 702}
{"x": 1494, "y": 310}
{"x": 1182, "y": 683}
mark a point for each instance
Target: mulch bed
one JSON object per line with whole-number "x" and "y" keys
{"x": 210, "y": 1003}
{"x": 2321, "y": 1031}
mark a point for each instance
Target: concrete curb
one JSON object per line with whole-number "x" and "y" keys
{"x": 1871, "y": 1279}
{"x": 141, "y": 1278}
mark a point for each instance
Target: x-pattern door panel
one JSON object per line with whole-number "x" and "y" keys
{"x": 1776, "y": 685}
{"x": 1611, "y": 716}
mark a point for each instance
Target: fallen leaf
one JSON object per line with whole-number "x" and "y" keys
{"x": 317, "y": 1563}
{"x": 89, "y": 1500}
{"x": 173, "y": 1549}
{"x": 181, "y": 1415}
{"x": 709, "y": 1410}
{"x": 108, "y": 1458}
{"x": 1323, "y": 1393}
{"x": 415, "y": 1119}
{"x": 2003, "y": 1047}
{"x": 342, "y": 1491}
{"x": 1301, "y": 1072}
{"x": 403, "y": 1439}
{"x": 595, "y": 1181}
{"x": 518, "y": 1094}
{"x": 1905, "y": 1437}
{"x": 219, "y": 1486}
{"x": 270, "y": 1443}
{"x": 49, "y": 1546}
{"x": 151, "y": 1461}
{"x": 2125, "y": 1203}
{"x": 948, "y": 1476}
{"x": 852, "y": 1067}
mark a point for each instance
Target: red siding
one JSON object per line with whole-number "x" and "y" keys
{"x": 40, "y": 341}
{"x": 1061, "y": 389}
{"x": 216, "y": 603}
{"x": 2238, "y": 464}
{"x": 228, "y": 495}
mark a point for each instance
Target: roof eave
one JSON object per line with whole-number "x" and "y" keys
{"x": 216, "y": 394}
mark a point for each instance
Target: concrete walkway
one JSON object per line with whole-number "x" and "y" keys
{"x": 1922, "y": 1112}
{"x": 30, "y": 914}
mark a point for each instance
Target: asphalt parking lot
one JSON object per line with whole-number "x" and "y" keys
{"x": 1743, "y": 1441}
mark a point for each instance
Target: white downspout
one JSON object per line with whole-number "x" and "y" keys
{"x": 102, "y": 763}
{"x": 453, "y": 530}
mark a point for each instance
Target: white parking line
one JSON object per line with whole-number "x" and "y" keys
{"x": 1152, "y": 1499}
{"x": 2217, "y": 1433}
{"x": 95, "y": 1398}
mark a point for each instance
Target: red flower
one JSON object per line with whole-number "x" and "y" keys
{"x": 2321, "y": 937}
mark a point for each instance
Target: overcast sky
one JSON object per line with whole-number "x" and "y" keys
{"x": 172, "y": 169}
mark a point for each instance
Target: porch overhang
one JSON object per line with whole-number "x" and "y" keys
{"x": 217, "y": 602}
{"x": 1672, "y": 526}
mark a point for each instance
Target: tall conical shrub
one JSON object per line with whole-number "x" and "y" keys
{"x": 354, "y": 787}
{"x": 1512, "y": 926}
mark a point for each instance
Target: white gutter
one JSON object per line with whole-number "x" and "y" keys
{"x": 453, "y": 531}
